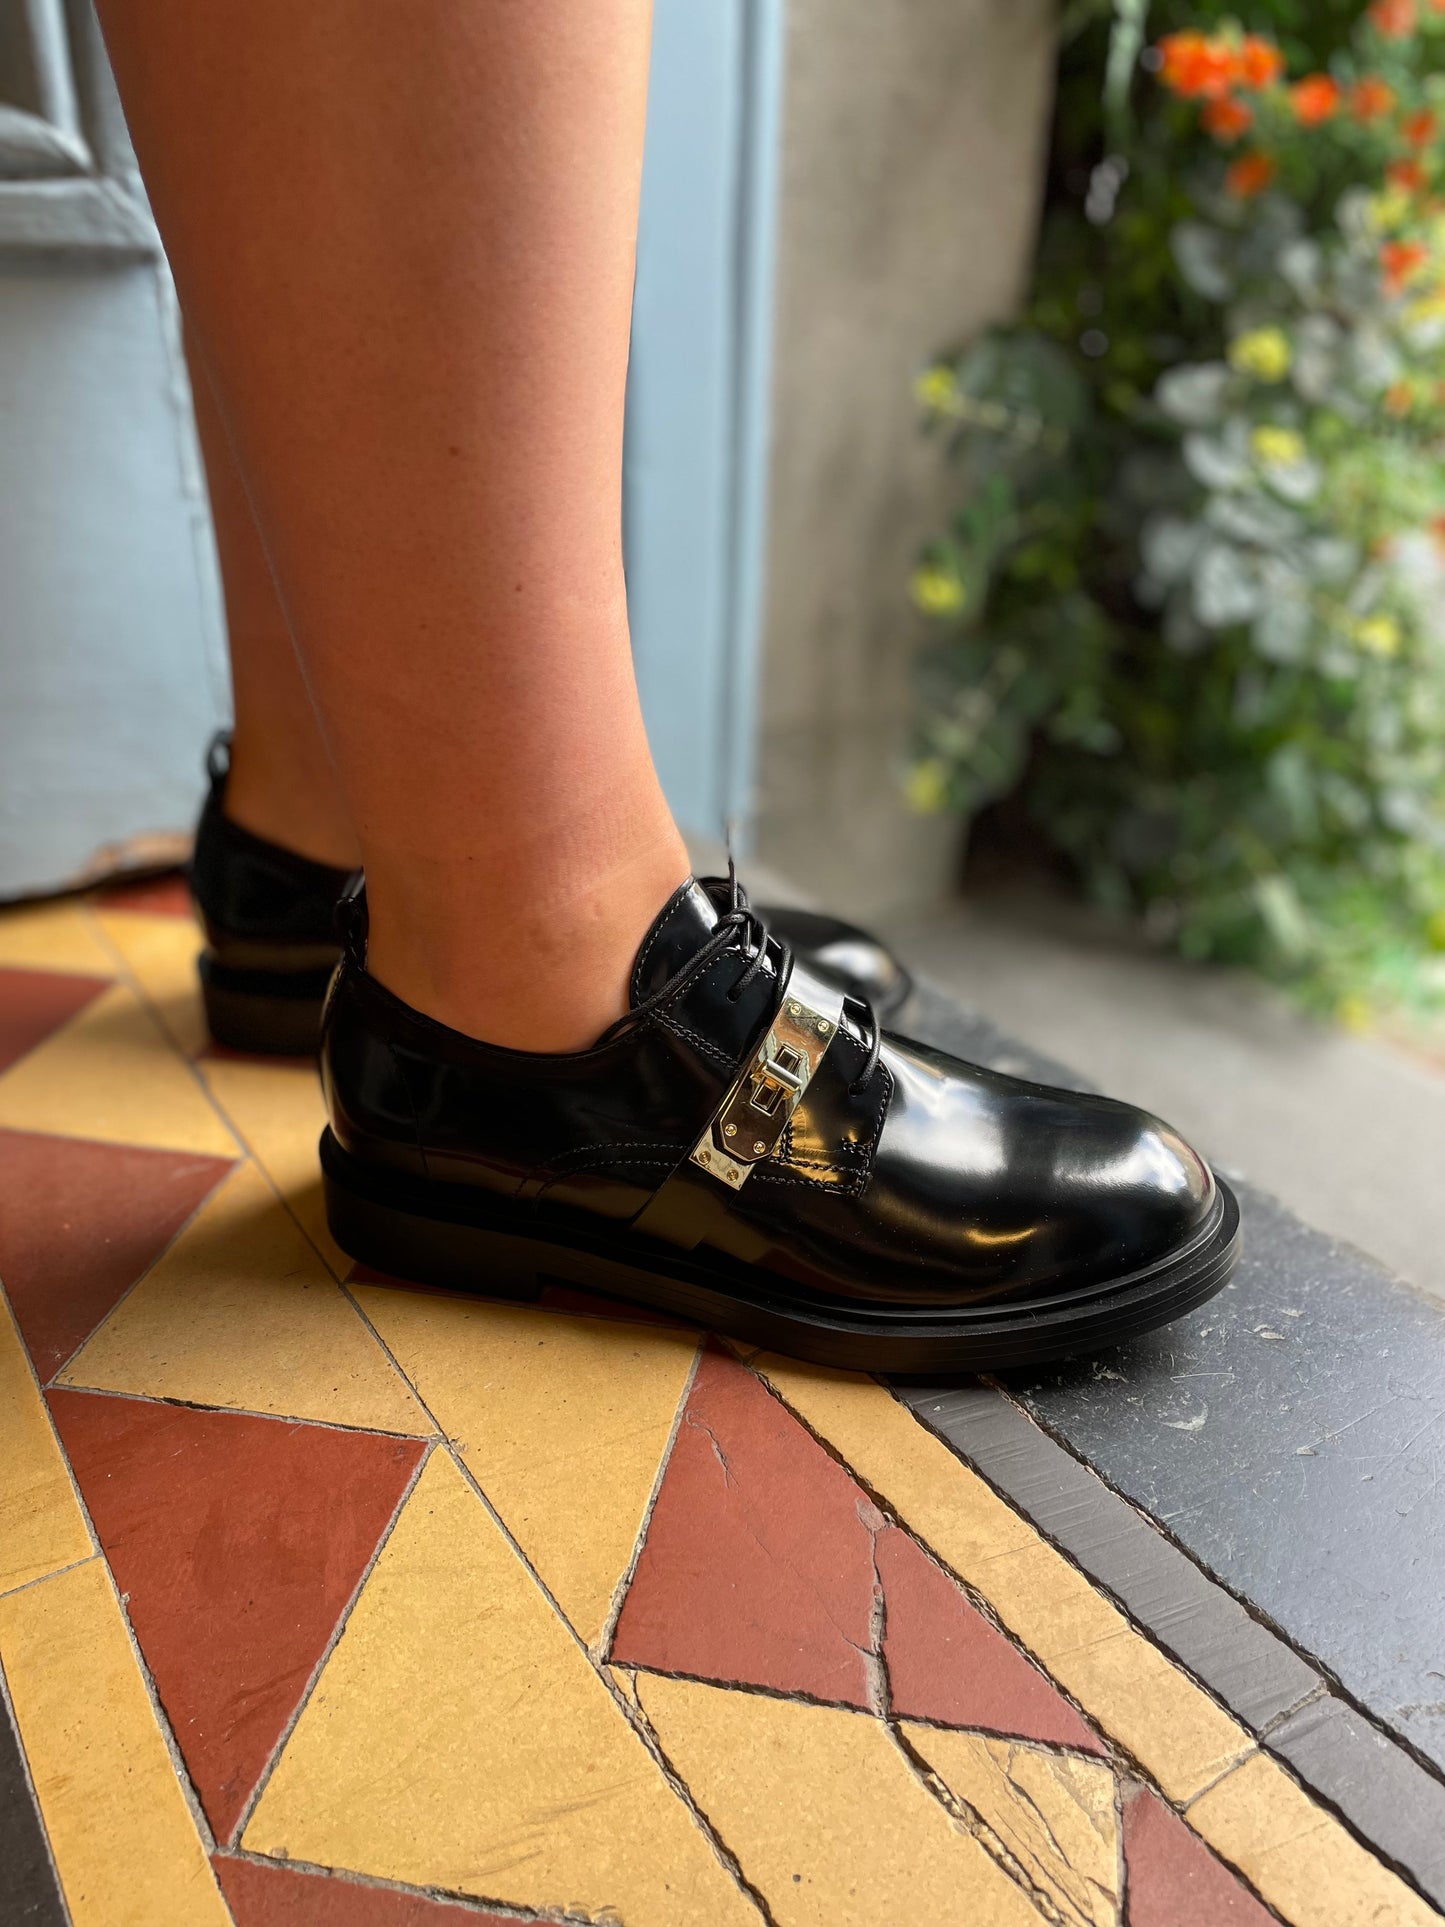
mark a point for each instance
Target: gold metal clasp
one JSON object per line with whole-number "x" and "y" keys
{"x": 752, "y": 1117}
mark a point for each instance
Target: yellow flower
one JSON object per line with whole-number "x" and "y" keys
{"x": 1353, "y": 1011}
{"x": 1264, "y": 353}
{"x": 1390, "y": 209}
{"x": 1429, "y": 306}
{"x": 1380, "y": 635}
{"x": 1435, "y": 930}
{"x": 937, "y": 592}
{"x": 1277, "y": 447}
{"x": 927, "y": 787}
{"x": 937, "y": 388}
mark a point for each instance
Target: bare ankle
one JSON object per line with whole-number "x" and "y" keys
{"x": 291, "y": 803}
{"x": 542, "y": 968}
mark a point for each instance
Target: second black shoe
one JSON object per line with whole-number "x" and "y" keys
{"x": 746, "y": 1148}
{"x": 271, "y": 945}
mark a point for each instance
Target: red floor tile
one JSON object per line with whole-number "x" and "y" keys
{"x": 165, "y": 896}
{"x": 1172, "y": 1879}
{"x": 274, "y": 1896}
{"x": 947, "y": 1663}
{"x": 33, "y": 1003}
{"x": 239, "y": 1542}
{"x": 79, "y": 1223}
{"x": 757, "y": 1566}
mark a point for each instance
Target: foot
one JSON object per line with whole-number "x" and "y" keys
{"x": 747, "y": 1148}
{"x": 269, "y": 917}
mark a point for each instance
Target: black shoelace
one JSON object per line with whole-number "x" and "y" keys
{"x": 743, "y": 927}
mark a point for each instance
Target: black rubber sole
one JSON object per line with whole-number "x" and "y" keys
{"x": 447, "y": 1235}
{"x": 268, "y": 1013}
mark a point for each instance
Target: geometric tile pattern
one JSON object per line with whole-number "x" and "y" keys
{"x": 344, "y": 1604}
{"x": 237, "y": 1543}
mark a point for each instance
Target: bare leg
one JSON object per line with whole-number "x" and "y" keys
{"x": 404, "y": 237}
{"x": 283, "y": 784}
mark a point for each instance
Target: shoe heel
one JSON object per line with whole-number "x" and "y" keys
{"x": 387, "y": 1237}
{"x": 246, "y": 1011}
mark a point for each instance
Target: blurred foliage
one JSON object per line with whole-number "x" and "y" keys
{"x": 1191, "y": 605}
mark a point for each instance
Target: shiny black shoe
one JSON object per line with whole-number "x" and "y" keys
{"x": 747, "y": 1149}
{"x": 269, "y": 918}
{"x": 270, "y": 923}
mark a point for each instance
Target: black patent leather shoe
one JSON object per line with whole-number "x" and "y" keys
{"x": 746, "y": 1148}
{"x": 270, "y": 923}
{"x": 269, "y": 918}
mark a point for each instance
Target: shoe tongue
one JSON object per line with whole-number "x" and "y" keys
{"x": 683, "y": 926}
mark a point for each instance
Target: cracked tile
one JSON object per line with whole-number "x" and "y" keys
{"x": 947, "y": 1664}
{"x": 241, "y": 1312}
{"x": 562, "y": 1420}
{"x": 237, "y": 1542}
{"x": 1153, "y": 1708}
{"x": 111, "y": 1073}
{"x": 459, "y": 1738}
{"x": 827, "y": 1818}
{"x": 1173, "y": 1879}
{"x": 125, "y": 1844}
{"x": 42, "y": 1527}
{"x": 758, "y": 1562}
{"x": 1053, "y": 1813}
{"x": 1299, "y": 1857}
{"x": 79, "y": 1223}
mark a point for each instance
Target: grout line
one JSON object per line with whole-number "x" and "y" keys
{"x": 7, "y": 1311}
{"x": 603, "y": 1644}
{"x": 44, "y": 1578}
{"x": 273, "y": 1758}
{"x": 239, "y": 1411}
{"x": 7, "y": 1712}
{"x": 647, "y": 1733}
{"x": 166, "y": 1248}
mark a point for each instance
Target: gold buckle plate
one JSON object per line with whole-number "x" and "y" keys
{"x": 753, "y": 1116}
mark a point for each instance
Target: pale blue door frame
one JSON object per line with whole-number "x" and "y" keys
{"x": 695, "y": 480}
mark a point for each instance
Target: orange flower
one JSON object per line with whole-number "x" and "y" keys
{"x": 1316, "y": 98}
{"x": 1420, "y": 129}
{"x": 1394, "y": 18}
{"x": 1371, "y": 97}
{"x": 1196, "y": 67}
{"x": 1407, "y": 174}
{"x": 1398, "y": 398}
{"x": 1227, "y": 118}
{"x": 1251, "y": 174}
{"x": 1437, "y": 527}
{"x": 1258, "y": 63}
{"x": 1401, "y": 261}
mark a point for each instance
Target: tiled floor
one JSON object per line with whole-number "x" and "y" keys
{"x": 325, "y": 1602}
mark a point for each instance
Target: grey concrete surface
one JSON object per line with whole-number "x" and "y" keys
{"x": 913, "y": 142}
{"x": 1347, "y": 1131}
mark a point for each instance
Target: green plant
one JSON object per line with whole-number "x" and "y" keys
{"x": 1191, "y": 606}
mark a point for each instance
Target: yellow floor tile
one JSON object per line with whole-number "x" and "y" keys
{"x": 111, "y": 1073}
{"x": 1300, "y": 1858}
{"x": 161, "y": 954}
{"x": 828, "y": 1820}
{"x": 1053, "y": 1814}
{"x": 459, "y": 1738}
{"x": 241, "y": 1312}
{"x": 278, "y": 1111}
{"x": 1150, "y": 1705}
{"x": 41, "y": 1524}
{"x": 563, "y": 1421}
{"x": 125, "y": 1844}
{"x": 52, "y": 936}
